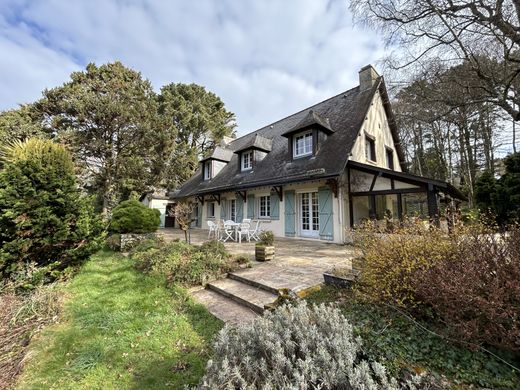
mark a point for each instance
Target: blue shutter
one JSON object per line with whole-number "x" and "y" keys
{"x": 250, "y": 206}
{"x": 290, "y": 213}
{"x": 199, "y": 215}
{"x": 240, "y": 210}
{"x": 223, "y": 208}
{"x": 275, "y": 206}
{"x": 326, "y": 215}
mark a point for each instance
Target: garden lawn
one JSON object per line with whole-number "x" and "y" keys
{"x": 121, "y": 330}
{"x": 394, "y": 340}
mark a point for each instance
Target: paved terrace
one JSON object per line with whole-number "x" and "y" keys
{"x": 298, "y": 265}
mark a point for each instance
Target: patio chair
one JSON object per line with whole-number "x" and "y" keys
{"x": 253, "y": 233}
{"x": 245, "y": 228}
{"x": 246, "y": 220}
{"x": 228, "y": 231}
{"x": 212, "y": 228}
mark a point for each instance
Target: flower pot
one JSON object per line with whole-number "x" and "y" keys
{"x": 264, "y": 253}
{"x": 338, "y": 281}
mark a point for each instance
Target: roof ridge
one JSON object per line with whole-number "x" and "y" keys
{"x": 294, "y": 113}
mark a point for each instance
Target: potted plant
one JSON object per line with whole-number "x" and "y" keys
{"x": 264, "y": 249}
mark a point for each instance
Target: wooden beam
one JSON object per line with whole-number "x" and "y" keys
{"x": 333, "y": 185}
{"x": 279, "y": 192}
{"x": 215, "y": 198}
{"x": 200, "y": 198}
{"x": 389, "y": 192}
{"x": 242, "y": 194}
{"x": 376, "y": 175}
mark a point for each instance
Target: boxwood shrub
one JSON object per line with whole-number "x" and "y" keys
{"x": 131, "y": 216}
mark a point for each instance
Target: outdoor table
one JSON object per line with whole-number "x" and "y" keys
{"x": 234, "y": 226}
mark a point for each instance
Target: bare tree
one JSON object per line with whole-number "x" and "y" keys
{"x": 485, "y": 34}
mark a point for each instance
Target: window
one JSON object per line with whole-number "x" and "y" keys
{"x": 247, "y": 160}
{"x": 370, "y": 148}
{"x": 265, "y": 206}
{"x": 302, "y": 144}
{"x": 207, "y": 170}
{"x": 233, "y": 209}
{"x": 390, "y": 158}
{"x": 211, "y": 210}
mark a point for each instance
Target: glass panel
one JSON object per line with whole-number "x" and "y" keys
{"x": 315, "y": 212}
{"x": 415, "y": 205}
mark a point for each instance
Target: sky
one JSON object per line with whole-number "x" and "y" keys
{"x": 266, "y": 59}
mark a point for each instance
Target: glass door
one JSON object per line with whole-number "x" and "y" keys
{"x": 309, "y": 215}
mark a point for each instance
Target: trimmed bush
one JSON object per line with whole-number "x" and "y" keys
{"x": 266, "y": 238}
{"x": 131, "y": 216}
{"x": 46, "y": 225}
{"x": 294, "y": 347}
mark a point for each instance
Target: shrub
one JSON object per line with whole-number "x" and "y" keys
{"x": 267, "y": 238}
{"x": 476, "y": 292}
{"x": 294, "y": 347}
{"x": 391, "y": 262}
{"x": 46, "y": 225}
{"x": 183, "y": 263}
{"x": 131, "y": 216}
{"x": 114, "y": 242}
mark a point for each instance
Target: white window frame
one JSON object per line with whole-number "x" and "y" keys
{"x": 307, "y": 147}
{"x": 207, "y": 170}
{"x": 369, "y": 140}
{"x": 267, "y": 207}
{"x": 211, "y": 206}
{"x": 247, "y": 157}
{"x": 233, "y": 209}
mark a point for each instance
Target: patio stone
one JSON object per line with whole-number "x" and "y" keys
{"x": 298, "y": 266}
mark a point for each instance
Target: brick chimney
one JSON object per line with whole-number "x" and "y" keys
{"x": 367, "y": 77}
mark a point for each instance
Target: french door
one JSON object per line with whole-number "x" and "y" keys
{"x": 309, "y": 215}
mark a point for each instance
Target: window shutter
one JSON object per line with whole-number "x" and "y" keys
{"x": 239, "y": 210}
{"x": 199, "y": 215}
{"x": 223, "y": 208}
{"x": 250, "y": 206}
{"x": 326, "y": 215}
{"x": 290, "y": 213}
{"x": 275, "y": 206}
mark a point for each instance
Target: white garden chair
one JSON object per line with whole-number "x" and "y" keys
{"x": 212, "y": 228}
{"x": 253, "y": 233}
{"x": 228, "y": 231}
{"x": 245, "y": 229}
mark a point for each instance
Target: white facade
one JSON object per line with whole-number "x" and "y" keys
{"x": 159, "y": 204}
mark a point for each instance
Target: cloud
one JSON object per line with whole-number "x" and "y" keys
{"x": 265, "y": 58}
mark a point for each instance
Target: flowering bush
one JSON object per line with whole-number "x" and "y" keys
{"x": 294, "y": 347}
{"x": 391, "y": 262}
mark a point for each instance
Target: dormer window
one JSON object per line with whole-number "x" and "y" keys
{"x": 207, "y": 170}
{"x": 302, "y": 144}
{"x": 247, "y": 160}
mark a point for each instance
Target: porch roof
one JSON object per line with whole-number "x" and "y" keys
{"x": 406, "y": 177}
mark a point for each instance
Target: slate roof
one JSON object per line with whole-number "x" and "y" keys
{"x": 345, "y": 113}
{"x": 258, "y": 142}
{"x": 312, "y": 119}
{"x": 221, "y": 154}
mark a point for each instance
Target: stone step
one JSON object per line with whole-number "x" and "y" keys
{"x": 224, "y": 308}
{"x": 244, "y": 279}
{"x": 253, "y": 297}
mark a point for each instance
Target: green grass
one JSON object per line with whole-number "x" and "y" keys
{"x": 395, "y": 341}
{"x": 121, "y": 330}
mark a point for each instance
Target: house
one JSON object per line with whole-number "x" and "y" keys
{"x": 161, "y": 201}
{"x": 316, "y": 172}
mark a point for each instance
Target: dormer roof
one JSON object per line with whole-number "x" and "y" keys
{"x": 257, "y": 142}
{"x": 311, "y": 120}
{"x": 220, "y": 154}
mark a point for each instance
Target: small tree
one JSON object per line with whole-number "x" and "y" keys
{"x": 183, "y": 215}
{"x": 45, "y": 223}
